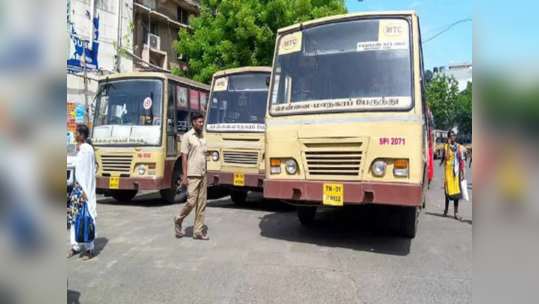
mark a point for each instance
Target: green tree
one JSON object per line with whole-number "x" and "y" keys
{"x": 464, "y": 110}
{"x": 236, "y": 33}
{"x": 442, "y": 99}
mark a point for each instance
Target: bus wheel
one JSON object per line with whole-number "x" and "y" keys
{"x": 175, "y": 194}
{"x": 124, "y": 196}
{"x": 306, "y": 215}
{"x": 409, "y": 222}
{"x": 239, "y": 197}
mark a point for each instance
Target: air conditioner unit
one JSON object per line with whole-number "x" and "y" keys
{"x": 154, "y": 42}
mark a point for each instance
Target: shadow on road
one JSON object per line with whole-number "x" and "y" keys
{"x": 447, "y": 217}
{"x": 99, "y": 245}
{"x": 146, "y": 200}
{"x": 73, "y": 297}
{"x": 255, "y": 202}
{"x": 189, "y": 231}
{"x": 361, "y": 229}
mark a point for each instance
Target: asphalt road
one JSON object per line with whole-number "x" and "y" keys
{"x": 261, "y": 254}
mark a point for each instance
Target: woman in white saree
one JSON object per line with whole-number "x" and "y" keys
{"x": 84, "y": 191}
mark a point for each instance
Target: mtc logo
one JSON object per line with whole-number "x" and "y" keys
{"x": 394, "y": 30}
{"x": 290, "y": 43}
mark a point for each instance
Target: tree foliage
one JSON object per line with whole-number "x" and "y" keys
{"x": 450, "y": 107}
{"x": 236, "y": 33}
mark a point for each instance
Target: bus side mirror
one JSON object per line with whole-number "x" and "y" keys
{"x": 428, "y": 76}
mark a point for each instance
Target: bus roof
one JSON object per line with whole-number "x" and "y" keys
{"x": 344, "y": 17}
{"x": 158, "y": 75}
{"x": 243, "y": 70}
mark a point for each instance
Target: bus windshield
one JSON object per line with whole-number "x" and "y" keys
{"x": 129, "y": 112}
{"x": 238, "y": 103}
{"x": 361, "y": 65}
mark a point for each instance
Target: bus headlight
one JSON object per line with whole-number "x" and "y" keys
{"x": 141, "y": 169}
{"x": 215, "y": 156}
{"x": 291, "y": 166}
{"x": 379, "y": 168}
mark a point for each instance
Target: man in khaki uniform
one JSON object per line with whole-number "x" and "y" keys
{"x": 194, "y": 177}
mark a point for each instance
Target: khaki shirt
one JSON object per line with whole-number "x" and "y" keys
{"x": 195, "y": 148}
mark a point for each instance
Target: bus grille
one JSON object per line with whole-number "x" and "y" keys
{"x": 333, "y": 162}
{"x": 116, "y": 163}
{"x": 240, "y": 158}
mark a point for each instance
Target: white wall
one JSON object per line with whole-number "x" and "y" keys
{"x": 106, "y": 34}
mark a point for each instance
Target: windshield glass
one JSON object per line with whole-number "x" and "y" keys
{"x": 345, "y": 66}
{"x": 238, "y": 103}
{"x": 129, "y": 112}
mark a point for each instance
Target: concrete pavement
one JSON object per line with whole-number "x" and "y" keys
{"x": 261, "y": 254}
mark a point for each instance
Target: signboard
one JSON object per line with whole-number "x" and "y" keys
{"x": 221, "y": 84}
{"x": 203, "y": 102}
{"x": 194, "y": 100}
{"x": 71, "y": 127}
{"x": 291, "y": 43}
{"x": 79, "y": 114}
{"x": 71, "y": 112}
{"x": 181, "y": 97}
{"x": 79, "y": 48}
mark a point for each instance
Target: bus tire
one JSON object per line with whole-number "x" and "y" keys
{"x": 306, "y": 215}
{"x": 123, "y": 196}
{"x": 409, "y": 222}
{"x": 239, "y": 197}
{"x": 175, "y": 195}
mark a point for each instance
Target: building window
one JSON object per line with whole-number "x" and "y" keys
{"x": 183, "y": 16}
{"x": 147, "y": 29}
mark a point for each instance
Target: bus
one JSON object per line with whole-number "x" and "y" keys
{"x": 234, "y": 131}
{"x": 441, "y": 140}
{"x": 137, "y": 131}
{"x": 347, "y": 121}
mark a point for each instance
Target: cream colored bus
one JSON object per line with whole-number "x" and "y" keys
{"x": 234, "y": 131}
{"x": 347, "y": 121}
{"x": 138, "y": 126}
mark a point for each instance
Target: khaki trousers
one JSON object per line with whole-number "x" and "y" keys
{"x": 196, "y": 199}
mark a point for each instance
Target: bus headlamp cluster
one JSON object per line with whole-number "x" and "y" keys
{"x": 379, "y": 168}
{"x": 215, "y": 156}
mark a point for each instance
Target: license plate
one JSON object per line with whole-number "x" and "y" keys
{"x": 333, "y": 195}
{"x": 114, "y": 183}
{"x": 239, "y": 179}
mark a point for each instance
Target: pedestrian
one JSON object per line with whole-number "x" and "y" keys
{"x": 454, "y": 173}
{"x": 84, "y": 191}
{"x": 194, "y": 178}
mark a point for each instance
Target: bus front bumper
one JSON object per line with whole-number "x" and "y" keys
{"x": 355, "y": 193}
{"x": 251, "y": 180}
{"x": 133, "y": 183}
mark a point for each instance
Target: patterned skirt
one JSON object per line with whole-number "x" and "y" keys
{"x": 75, "y": 204}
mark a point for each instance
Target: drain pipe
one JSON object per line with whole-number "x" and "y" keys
{"x": 119, "y": 14}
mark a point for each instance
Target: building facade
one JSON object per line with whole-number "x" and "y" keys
{"x": 157, "y": 23}
{"x": 95, "y": 29}
{"x": 461, "y": 71}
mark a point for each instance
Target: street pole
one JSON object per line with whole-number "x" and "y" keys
{"x": 85, "y": 76}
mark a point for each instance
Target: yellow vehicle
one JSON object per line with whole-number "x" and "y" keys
{"x": 441, "y": 140}
{"x": 139, "y": 121}
{"x": 234, "y": 132}
{"x": 347, "y": 121}
{"x": 466, "y": 142}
